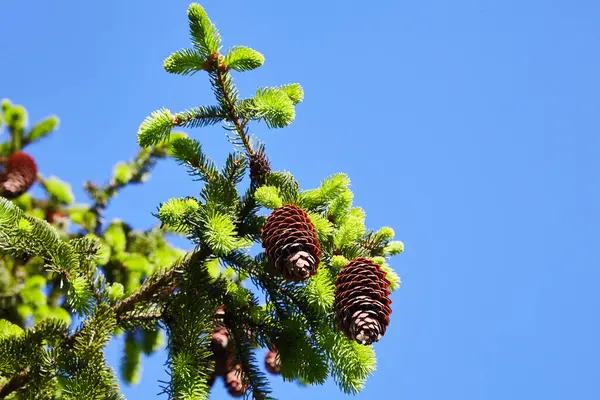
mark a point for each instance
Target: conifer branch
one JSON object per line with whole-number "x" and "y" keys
{"x": 140, "y": 317}
{"x": 141, "y": 165}
{"x": 239, "y": 126}
{"x": 16, "y": 382}
{"x": 146, "y": 291}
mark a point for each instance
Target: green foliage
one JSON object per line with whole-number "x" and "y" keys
{"x": 80, "y": 296}
{"x": 184, "y": 62}
{"x": 394, "y": 248}
{"x": 156, "y": 128}
{"x": 191, "y": 310}
{"x": 286, "y": 185}
{"x": 83, "y": 215}
{"x": 392, "y": 276}
{"x": 50, "y": 272}
{"x": 338, "y": 262}
{"x": 319, "y": 293}
{"x": 268, "y": 197}
{"x": 204, "y": 34}
{"x": 241, "y": 58}
{"x": 115, "y": 236}
{"x": 42, "y": 129}
{"x": 351, "y": 363}
{"x": 116, "y": 292}
{"x": 175, "y": 211}
{"x": 351, "y": 230}
{"x": 294, "y": 91}
{"x": 219, "y": 233}
{"x": 274, "y": 107}
{"x": 8, "y": 329}
{"x": 299, "y": 356}
{"x": 131, "y": 366}
{"x": 59, "y": 190}
{"x": 385, "y": 233}
{"x": 122, "y": 173}
{"x": 329, "y": 190}
{"x": 189, "y": 153}
{"x": 152, "y": 340}
{"x": 323, "y": 226}
{"x": 15, "y": 116}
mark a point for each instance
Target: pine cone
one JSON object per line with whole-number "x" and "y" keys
{"x": 291, "y": 243}
{"x": 220, "y": 347}
{"x": 260, "y": 167}
{"x": 272, "y": 363}
{"x": 220, "y": 344}
{"x": 234, "y": 382}
{"x": 362, "y": 302}
{"x": 20, "y": 173}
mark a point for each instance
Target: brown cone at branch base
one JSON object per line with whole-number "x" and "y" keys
{"x": 20, "y": 173}
{"x": 290, "y": 240}
{"x": 362, "y": 302}
{"x": 272, "y": 363}
{"x": 260, "y": 168}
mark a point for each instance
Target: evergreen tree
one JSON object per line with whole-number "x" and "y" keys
{"x": 321, "y": 286}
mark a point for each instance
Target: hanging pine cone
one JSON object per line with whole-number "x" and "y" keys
{"x": 362, "y": 302}
{"x": 260, "y": 167}
{"x": 20, "y": 173}
{"x": 272, "y": 362}
{"x": 220, "y": 347}
{"x": 291, "y": 243}
{"x": 234, "y": 382}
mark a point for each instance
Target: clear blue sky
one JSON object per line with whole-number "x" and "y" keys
{"x": 471, "y": 127}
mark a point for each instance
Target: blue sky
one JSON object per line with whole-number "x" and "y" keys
{"x": 470, "y": 127}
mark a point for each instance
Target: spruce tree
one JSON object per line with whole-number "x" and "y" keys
{"x": 274, "y": 266}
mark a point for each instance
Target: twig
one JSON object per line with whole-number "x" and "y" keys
{"x": 239, "y": 127}
{"x": 16, "y": 382}
{"x": 143, "y": 161}
{"x": 140, "y": 317}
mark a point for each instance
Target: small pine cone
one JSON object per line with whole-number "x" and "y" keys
{"x": 234, "y": 381}
{"x": 290, "y": 240}
{"x": 362, "y": 302}
{"x": 220, "y": 344}
{"x": 272, "y": 363}
{"x": 219, "y": 340}
{"x": 20, "y": 173}
{"x": 260, "y": 167}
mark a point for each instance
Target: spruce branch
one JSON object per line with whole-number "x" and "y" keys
{"x": 140, "y": 317}
{"x": 184, "y": 62}
{"x": 204, "y": 34}
{"x": 242, "y": 58}
{"x": 16, "y": 382}
{"x": 137, "y": 170}
{"x": 148, "y": 289}
{"x": 227, "y": 94}
{"x": 199, "y": 117}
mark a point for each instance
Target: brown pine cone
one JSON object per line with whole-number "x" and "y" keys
{"x": 272, "y": 362}
{"x": 234, "y": 382}
{"x": 220, "y": 347}
{"x": 362, "y": 302}
{"x": 260, "y": 167}
{"x": 20, "y": 173}
{"x": 290, "y": 240}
